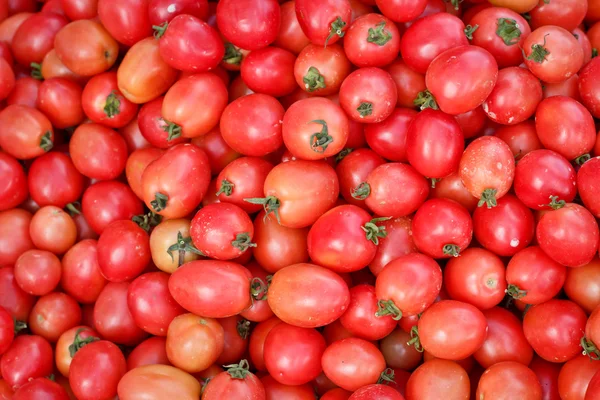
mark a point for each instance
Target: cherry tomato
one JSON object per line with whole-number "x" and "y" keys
{"x": 409, "y": 83}
{"x": 236, "y": 382}
{"x": 257, "y": 342}
{"x": 269, "y": 71}
{"x": 249, "y": 24}
{"x": 388, "y": 138}
{"x": 7, "y": 333}
{"x": 54, "y": 180}
{"x": 566, "y": 14}
{"x": 438, "y": 379}
{"x": 372, "y": 41}
{"x": 592, "y": 335}
{"x": 60, "y": 100}
{"x": 150, "y": 352}
{"x": 37, "y": 272}
{"x": 242, "y": 179}
{"x": 397, "y": 351}
{"x": 69, "y": 343}
{"x": 35, "y": 37}
{"x": 158, "y": 381}
{"x": 161, "y": 11}
{"x": 401, "y": 10}
{"x": 581, "y": 285}
{"x": 368, "y": 95}
{"x": 235, "y": 339}
{"x": 28, "y": 357}
{"x": 587, "y": 176}
{"x": 290, "y": 37}
{"x": 123, "y": 251}
{"x": 14, "y": 191}
{"x": 104, "y": 104}
{"x": 12, "y": 298}
{"x": 41, "y": 388}
{"x": 24, "y": 92}
{"x": 136, "y": 164}
{"x": 320, "y": 70}
{"x": 451, "y": 187}
{"x": 523, "y": 382}
{"x": 25, "y": 132}
{"x": 398, "y": 242}
{"x": 575, "y": 376}
{"x": 276, "y": 390}
{"x": 54, "y": 314}
{"x": 52, "y": 229}
{"x": 126, "y": 21}
{"x": 324, "y": 22}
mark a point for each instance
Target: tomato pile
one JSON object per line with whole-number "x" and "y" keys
{"x": 277, "y": 200}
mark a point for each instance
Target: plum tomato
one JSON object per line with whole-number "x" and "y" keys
{"x": 15, "y": 187}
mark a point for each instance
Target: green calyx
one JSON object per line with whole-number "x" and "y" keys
{"x": 36, "y": 71}
{"x": 555, "y": 203}
{"x": 319, "y": 141}
{"x": 365, "y": 109}
{"x": 342, "y": 154}
{"x": 361, "y": 192}
{"x": 434, "y": 181}
{"x": 508, "y": 31}
{"x": 270, "y": 204}
{"x": 172, "y": 129}
{"x": 226, "y": 188}
{"x": 336, "y": 28}
{"x": 147, "y": 221}
{"x": 46, "y": 141}
{"x": 456, "y": 4}
{"x": 18, "y": 326}
{"x": 73, "y": 208}
{"x": 379, "y": 35}
{"x": 451, "y": 250}
{"x": 238, "y": 371}
{"x": 415, "y": 340}
{"x": 242, "y": 242}
{"x": 590, "y": 349}
{"x": 373, "y": 231}
{"x": 387, "y": 307}
{"x": 582, "y": 159}
{"x": 469, "y": 30}
{"x": 160, "y": 202}
{"x": 594, "y": 53}
{"x": 515, "y": 292}
{"x": 232, "y": 55}
{"x": 259, "y": 289}
{"x": 78, "y": 342}
{"x": 112, "y": 105}
{"x": 159, "y": 30}
{"x": 313, "y": 80}
{"x": 425, "y": 100}
{"x": 243, "y": 328}
{"x": 387, "y": 375}
{"x": 182, "y": 246}
{"x": 488, "y": 197}
{"x": 539, "y": 52}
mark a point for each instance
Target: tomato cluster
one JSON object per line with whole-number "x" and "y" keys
{"x": 268, "y": 200}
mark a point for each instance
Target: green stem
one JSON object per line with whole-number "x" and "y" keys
{"x": 259, "y": 289}
{"x": 425, "y": 100}
{"x": 46, "y": 141}
{"x": 555, "y": 204}
{"x": 365, "y": 109}
{"x": 226, "y": 188}
{"x": 160, "y": 202}
{"x": 379, "y": 35}
{"x": 373, "y": 231}
{"x": 313, "y": 80}
{"x": 469, "y": 30}
{"x": 270, "y": 204}
{"x": 361, "y": 192}
{"x": 73, "y": 208}
{"x": 243, "y": 328}
{"x": 182, "y": 246}
{"x": 342, "y": 154}
{"x": 112, "y": 105}
{"x": 451, "y": 250}
{"x": 159, "y": 30}
{"x": 415, "y": 339}
{"x": 539, "y": 52}
{"x": 238, "y": 371}
{"x": 508, "y": 31}
{"x": 232, "y": 55}
{"x": 147, "y": 221}
{"x": 78, "y": 342}
{"x": 172, "y": 129}
{"x": 242, "y": 242}
{"x": 515, "y": 292}
{"x": 590, "y": 349}
{"x": 36, "y": 71}
{"x": 488, "y": 197}
{"x": 337, "y": 27}
{"x": 582, "y": 159}
{"x": 387, "y": 307}
{"x": 387, "y": 375}
{"x": 18, "y": 326}
{"x": 319, "y": 141}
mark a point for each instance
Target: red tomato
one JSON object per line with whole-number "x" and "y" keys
{"x": 123, "y": 251}
{"x": 25, "y": 92}
{"x": 14, "y": 190}
{"x": 174, "y": 184}
{"x": 581, "y": 285}
{"x": 291, "y": 287}
{"x": 452, "y": 330}
{"x": 257, "y": 342}
{"x": 235, "y": 339}
{"x": 471, "y": 68}
{"x": 372, "y": 41}
{"x": 569, "y": 88}
{"x": 451, "y": 187}
{"x": 593, "y": 387}
{"x": 397, "y": 243}
{"x": 408, "y": 285}
{"x": 251, "y": 119}
{"x": 554, "y": 329}
{"x": 494, "y": 382}
{"x": 69, "y": 343}
{"x": 37, "y": 272}
{"x": 401, "y": 10}
{"x": 54, "y": 180}
{"x": 269, "y": 71}
{"x": 397, "y": 351}
{"x": 53, "y": 67}
{"x": 575, "y": 376}
{"x": 592, "y": 335}
{"x": 7, "y": 333}
{"x": 153, "y": 381}
{"x": 236, "y": 382}
{"x": 292, "y": 354}
{"x": 104, "y": 104}
{"x": 96, "y": 370}
{"x": 35, "y": 37}
{"x": 12, "y": 298}
{"x": 552, "y": 53}
{"x": 588, "y": 177}
{"x": 249, "y": 24}
{"x": 79, "y": 9}
{"x": 368, "y": 95}
{"x": 52, "y": 229}
{"x": 277, "y": 391}
{"x": 136, "y": 165}
{"x": 360, "y": 318}
{"x": 98, "y": 152}
{"x": 41, "y": 388}
{"x": 15, "y": 238}
{"x": 127, "y": 21}
{"x": 290, "y": 37}
{"x": 28, "y": 357}
{"x": 566, "y": 14}
{"x": 389, "y": 137}
{"x": 150, "y": 352}
{"x": 588, "y": 87}
{"x": 7, "y": 79}
{"x": 521, "y": 138}
{"x": 161, "y": 11}
{"x": 324, "y": 22}
{"x": 408, "y": 83}
{"x": 60, "y": 100}
{"x": 320, "y": 70}
{"x": 437, "y": 379}
{"x": 569, "y": 235}
{"x": 54, "y": 314}
{"x": 242, "y": 179}
{"x": 371, "y": 392}
{"x": 25, "y": 132}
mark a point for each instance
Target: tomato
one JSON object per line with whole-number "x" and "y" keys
{"x": 293, "y": 354}
{"x": 79, "y": 9}
{"x": 37, "y": 272}
{"x": 408, "y": 83}
{"x": 218, "y": 151}
{"x": 587, "y": 176}
{"x": 372, "y": 41}
{"x": 408, "y": 285}
{"x": 143, "y": 75}
{"x": 236, "y": 382}
{"x": 277, "y": 391}
{"x": 397, "y": 243}
{"x": 104, "y": 104}
{"x": 547, "y": 374}
{"x": 174, "y": 184}
{"x": 569, "y": 88}
{"x": 241, "y": 179}
{"x": 257, "y": 342}
{"x": 388, "y": 138}
{"x": 588, "y": 87}
{"x": 85, "y": 47}
{"x": 157, "y": 381}
{"x": 7, "y": 333}
{"x": 575, "y": 376}
{"x": 436, "y": 379}
{"x": 521, "y": 138}
{"x": 401, "y": 10}
{"x": 554, "y": 329}
{"x": 371, "y": 392}
{"x": 353, "y": 169}
{"x": 269, "y": 71}
{"x": 398, "y": 352}
{"x": 249, "y": 24}
{"x": 14, "y": 235}
{"x": 54, "y": 180}
{"x": 494, "y": 382}
{"x": 557, "y": 230}
{"x": 136, "y": 164}
{"x": 326, "y": 22}
{"x": 28, "y": 357}
{"x": 112, "y": 318}
{"x": 13, "y": 299}
{"x": 96, "y": 370}
{"x": 360, "y": 317}
{"x": 251, "y": 119}
{"x": 35, "y": 37}
{"x": 451, "y": 187}
{"x": 25, "y": 92}
{"x": 236, "y": 332}
{"x": 368, "y": 95}
{"x": 123, "y": 251}
{"x": 69, "y": 343}
{"x": 501, "y": 31}
{"x": 194, "y": 343}
{"x": 581, "y": 285}
{"x": 229, "y": 283}
{"x": 52, "y": 229}
{"x": 592, "y": 335}
{"x": 54, "y": 314}
{"x": 41, "y": 388}
{"x": 320, "y": 70}
{"x": 154, "y": 128}
{"x": 150, "y": 352}
{"x": 160, "y": 11}
{"x": 552, "y": 54}
{"x": 452, "y": 330}
{"x": 170, "y": 245}
{"x": 592, "y": 389}
{"x": 25, "y": 132}
{"x": 566, "y": 14}
{"x": 487, "y": 169}
{"x": 7, "y": 79}
{"x": 290, "y": 37}
{"x": 14, "y": 191}
{"x": 98, "y": 152}
{"x": 126, "y": 21}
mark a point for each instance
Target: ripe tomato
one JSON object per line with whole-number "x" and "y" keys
{"x": 194, "y": 343}
{"x": 251, "y": 119}
{"x": 156, "y": 381}
{"x": 7, "y": 332}
{"x": 397, "y": 243}
{"x": 437, "y": 379}
{"x": 174, "y": 184}
{"x": 401, "y": 10}
{"x": 86, "y": 48}
{"x": 269, "y": 71}
{"x": 408, "y": 285}
{"x": 52, "y": 229}
{"x": 521, "y": 138}
{"x": 35, "y": 37}
{"x": 320, "y": 70}
{"x": 54, "y": 314}
{"x": 54, "y": 180}
{"x": 487, "y": 169}
{"x": 143, "y": 75}
{"x": 408, "y": 82}
{"x": 324, "y": 22}
{"x": 28, "y": 357}
{"x": 14, "y": 190}
{"x": 150, "y": 352}
{"x": 292, "y": 286}
{"x": 569, "y": 235}
{"x": 587, "y": 178}
{"x": 60, "y": 100}
{"x": 554, "y": 329}
{"x": 236, "y": 382}
{"x": 368, "y": 95}
{"x": 42, "y": 388}
{"x": 371, "y": 392}
{"x": 123, "y": 251}
{"x": 276, "y": 390}
{"x": 471, "y": 68}
{"x": 360, "y": 318}
{"x": 581, "y": 283}
{"x": 249, "y": 24}
{"x": 241, "y": 179}
{"x": 593, "y": 387}
{"x": 451, "y": 187}
{"x": 127, "y": 21}
{"x": 155, "y": 129}
{"x": 592, "y": 335}
{"x": 15, "y": 238}
{"x": 293, "y": 354}
{"x": 588, "y": 87}
{"x": 257, "y": 342}
{"x": 69, "y": 343}
{"x": 566, "y": 14}
{"x": 96, "y": 370}
{"x": 235, "y": 340}
{"x": 452, "y": 330}
{"x": 290, "y": 37}
{"x": 104, "y": 104}
{"x": 170, "y": 245}
{"x": 552, "y": 53}
{"x": 136, "y": 164}
{"x": 37, "y": 272}
{"x": 523, "y": 382}
{"x": 160, "y": 12}
{"x": 372, "y": 41}
{"x": 397, "y": 351}
{"x": 575, "y": 376}
{"x": 12, "y": 298}
{"x": 388, "y": 138}
{"x": 25, "y": 132}
{"x": 53, "y": 67}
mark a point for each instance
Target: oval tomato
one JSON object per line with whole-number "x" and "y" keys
{"x": 401, "y": 10}
{"x": 438, "y": 378}
{"x": 127, "y": 21}
{"x": 170, "y": 245}
{"x": 524, "y": 384}
{"x": 27, "y": 358}
{"x": 236, "y": 382}
{"x": 321, "y": 70}
{"x": 69, "y": 343}
{"x": 372, "y": 41}
{"x": 360, "y": 318}
{"x": 249, "y": 24}
{"x": 157, "y": 381}
{"x": 123, "y": 251}
{"x": 54, "y": 180}
{"x": 25, "y": 132}
{"x": 368, "y": 95}
{"x": 60, "y": 100}
{"x": 81, "y": 277}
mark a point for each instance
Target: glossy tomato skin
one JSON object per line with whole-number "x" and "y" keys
{"x": 397, "y": 243}
{"x": 104, "y": 104}
{"x": 54, "y": 314}
{"x": 96, "y": 370}
{"x": 242, "y": 179}
{"x": 165, "y": 235}
{"x": 24, "y": 92}
{"x": 41, "y": 388}
{"x": 229, "y": 283}
{"x": 54, "y": 180}
{"x": 371, "y": 392}
{"x": 557, "y": 228}
{"x": 409, "y": 83}
{"x": 81, "y": 277}
{"x": 25, "y": 132}
{"x": 28, "y": 357}
{"x": 542, "y": 174}
{"x": 353, "y": 363}
{"x": 476, "y": 277}
{"x": 291, "y": 287}
{"x": 248, "y": 24}
{"x": 353, "y": 169}
{"x": 150, "y": 352}
{"x": 554, "y": 329}
{"x": 60, "y": 100}
{"x": 588, "y": 87}
{"x": 472, "y": 68}
{"x": 123, "y": 251}
{"x": 159, "y": 11}
{"x": 401, "y": 10}
{"x": 7, "y": 333}
{"x": 412, "y": 282}
{"x": 154, "y": 128}
{"x": 14, "y": 235}
{"x": 523, "y": 382}
{"x": 276, "y": 390}
{"x": 575, "y": 376}
{"x": 452, "y": 330}
{"x": 156, "y": 381}
{"x": 77, "y": 337}
{"x": 521, "y": 138}
{"x": 256, "y": 344}
{"x": 593, "y": 387}
{"x": 15, "y": 188}
{"x": 587, "y": 179}
{"x": 136, "y": 164}
{"x": 581, "y": 285}
{"x": 505, "y": 229}
{"x": 290, "y": 37}
{"x": 14, "y": 299}
{"x": 182, "y": 174}
{"x": 592, "y": 328}
{"x": 35, "y": 37}
{"x": 324, "y": 22}
{"x": 320, "y": 70}
{"x": 377, "y": 50}
{"x": 438, "y": 378}
{"x": 304, "y": 346}
{"x": 562, "y": 13}
{"x": 225, "y": 385}
{"x": 388, "y": 138}
{"x": 563, "y": 56}
{"x": 539, "y": 276}
{"x": 269, "y": 71}
{"x": 126, "y": 21}
{"x": 451, "y": 187}
{"x": 368, "y": 95}
{"x": 45, "y": 227}
{"x": 360, "y": 317}
{"x": 397, "y": 351}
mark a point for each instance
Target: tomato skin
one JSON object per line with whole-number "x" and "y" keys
{"x": 275, "y": 390}
{"x": 581, "y": 285}
{"x": 54, "y": 314}
{"x": 451, "y": 187}
{"x": 319, "y": 20}
{"x": 136, "y": 164}
{"x": 123, "y": 251}
{"x": 46, "y": 225}
{"x": 566, "y": 14}
{"x": 35, "y": 37}
{"x": 183, "y": 175}
{"x": 85, "y": 47}
{"x": 438, "y": 378}
{"x": 371, "y": 392}
{"x": 163, "y": 236}
{"x": 38, "y": 355}
{"x": 7, "y": 333}
{"x": 330, "y": 62}
{"x": 126, "y": 21}
{"x": 251, "y": 119}
{"x": 104, "y": 104}
{"x": 60, "y": 100}
{"x": 304, "y": 347}
{"x": 25, "y": 132}
{"x": 398, "y": 353}
{"x": 521, "y": 138}
{"x": 153, "y": 127}
{"x": 388, "y": 138}
{"x": 37, "y": 272}
{"x": 575, "y": 376}
{"x": 269, "y": 71}
{"x": 409, "y": 83}
{"x": 159, "y": 11}
{"x": 397, "y": 243}
{"x": 565, "y": 126}
{"x": 401, "y": 10}
{"x": 589, "y": 88}
{"x": 151, "y": 351}
{"x": 25, "y": 92}
{"x": 554, "y": 329}
{"x": 412, "y": 282}
{"x": 290, "y": 37}
{"x": 96, "y": 370}
{"x": 156, "y": 381}
{"x": 587, "y": 178}
{"x": 452, "y": 330}
{"x": 505, "y": 229}
{"x": 248, "y": 24}
{"x": 41, "y": 388}
{"x": 143, "y": 75}
{"x": 523, "y": 382}
{"x": 15, "y": 188}
{"x": 547, "y": 374}
{"x": 360, "y": 317}
{"x": 225, "y": 386}
{"x": 592, "y": 327}
{"x": 371, "y": 87}
{"x": 257, "y": 342}
{"x": 592, "y": 389}
{"x": 62, "y": 354}
{"x": 54, "y": 180}
{"x": 247, "y": 177}
{"x": 556, "y": 228}
{"x": 353, "y": 169}
{"x": 364, "y": 53}
{"x": 13, "y": 299}
{"x": 98, "y": 152}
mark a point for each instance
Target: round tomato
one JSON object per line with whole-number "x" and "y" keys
{"x": 7, "y": 332}
{"x": 14, "y": 190}
{"x": 127, "y": 21}
{"x": 170, "y": 245}
{"x": 241, "y": 179}
{"x": 256, "y": 344}
{"x": 409, "y": 83}
{"x": 136, "y": 164}
{"x": 41, "y": 388}
{"x": 15, "y": 238}
{"x": 236, "y": 382}
{"x": 397, "y": 351}
{"x": 360, "y": 318}
{"x": 60, "y": 100}
{"x": 401, "y": 10}
{"x": 521, "y": 138}
{"x": 123, "y": 251}
{"x": 398, "y": 242}
{"x": 290, "y": 37}
{"x": 368, "y": 95}
{"x": 155, "y": 381}
{"x": 437, "y": 379}
{"x": 575, "y": 376}
{"x": 69, "y": 343}
{"x": 321, "y": 70}
{"x": 587, "y": 178}
{"x": 37, "y": 272}
{"x": 35, "y": 37}
{"x": 269, "y": 71}
{"x": 324, "y": 22}
{"x": 588, "y": 86}
{"x": 591, "y": 340}
{"x": 54, "y": 180}
{"x": 370, "y": 392}
{"x": 13, "y": 299}
{"x": 451, "y": 187}
{"x": 28, "y": 357}
{"x": 155, "y": 129}
{"x": 81, "y": 277}
{"x": 581, "y": 285}
{"x": 52, "y": 229}
{"x": 566, "y": 14}
{"x": 372, "y": 41}
{"x": 104, "y": 104}
{"x": 509, "y": 380}
{"x": 276, "y": 390}
{"x": 150, "y": 352}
